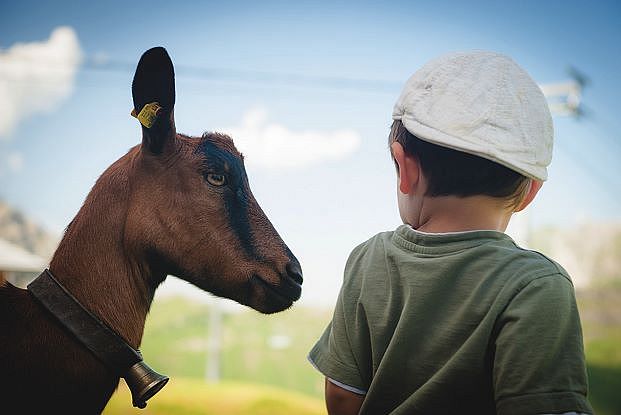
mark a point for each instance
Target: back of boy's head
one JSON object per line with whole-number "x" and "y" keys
{"x": 478, "y": 124}
{"x": 450, "y": 172}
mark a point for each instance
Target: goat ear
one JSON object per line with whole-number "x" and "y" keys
{"x": 153, "y": 91}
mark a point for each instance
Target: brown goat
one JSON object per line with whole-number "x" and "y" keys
{"x": 174, "y": 205}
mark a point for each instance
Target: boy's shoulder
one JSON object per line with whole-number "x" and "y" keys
{"x": 547, "y": 264}
{"x": 543, "y": 273}
{"x": 367, "y": 256}
{"x": 378, "y": 240}
{"x": 372, "y": 249}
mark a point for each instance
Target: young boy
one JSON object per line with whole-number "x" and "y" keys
{"x": 447, "y": 315}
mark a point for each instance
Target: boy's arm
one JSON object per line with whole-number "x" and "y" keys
{"x": 342, "y": 353}
{"x": 538, "y": 362}
{"x": 340, "y": 401}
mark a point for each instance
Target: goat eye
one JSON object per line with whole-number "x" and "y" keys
{"x": 216, "y": 179}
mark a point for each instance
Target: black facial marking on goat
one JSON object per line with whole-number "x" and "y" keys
{"x": 235, "y": 192}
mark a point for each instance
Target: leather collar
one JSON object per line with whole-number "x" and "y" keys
{"x": 107, "y": 346}
{"x": 93, "y": 333}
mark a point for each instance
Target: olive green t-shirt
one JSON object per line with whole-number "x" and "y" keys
{"x": 455, "y": 323}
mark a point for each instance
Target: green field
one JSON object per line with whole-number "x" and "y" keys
{"x": 175, "y": 343}
{"x": 600, "y": 311}
{"x": 264, "y": 368}
{"x": 195, "y": 397}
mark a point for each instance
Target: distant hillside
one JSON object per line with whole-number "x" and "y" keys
{"x": 590, "y": 252}
{"x": 15, "y": 227}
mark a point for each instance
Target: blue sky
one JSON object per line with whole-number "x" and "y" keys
{"x": 326, "y": 68}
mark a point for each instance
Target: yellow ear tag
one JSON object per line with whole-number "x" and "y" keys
{"x": 148, "y": 114}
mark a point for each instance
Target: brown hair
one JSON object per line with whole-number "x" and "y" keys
{"x": 455, "y": 173}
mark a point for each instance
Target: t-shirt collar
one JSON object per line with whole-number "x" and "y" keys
{"x": 432, "y": 243}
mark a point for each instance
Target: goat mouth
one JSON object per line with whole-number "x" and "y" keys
{"x": 286, "y": 292}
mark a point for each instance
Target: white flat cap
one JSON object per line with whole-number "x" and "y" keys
{"x": 481, "y": 103}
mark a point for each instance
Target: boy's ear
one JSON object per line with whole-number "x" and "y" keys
{"x": 408, "y": 168}
{"x": 153, "y": 91}
{"x": 533, "y": 188}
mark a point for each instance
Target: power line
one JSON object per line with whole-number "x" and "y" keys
{"x": 237, "y": 75}
{"x": 564, "y": 97}
{"x": 600, "y": 179}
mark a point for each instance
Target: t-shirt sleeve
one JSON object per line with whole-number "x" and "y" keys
{"x": 339, "y": 351}
{"x": 539, "y": 364}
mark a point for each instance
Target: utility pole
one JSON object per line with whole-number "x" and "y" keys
{"x": 564, "y": 100}
{"x": 214, "y": 341}
{"x": 564, "y": 97}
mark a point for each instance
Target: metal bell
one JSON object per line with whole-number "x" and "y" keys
{"x": 143, "y": 382}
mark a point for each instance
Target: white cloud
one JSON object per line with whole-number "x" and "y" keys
{"x": 274, "y": 146}
{"x": 36, "y": 77}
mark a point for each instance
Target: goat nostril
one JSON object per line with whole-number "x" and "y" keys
{"x": 294, "y": 271}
